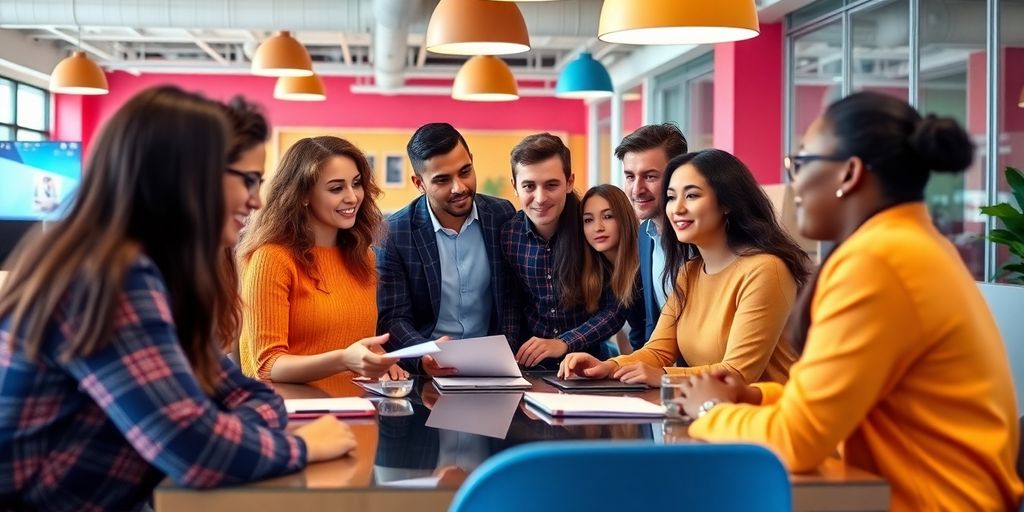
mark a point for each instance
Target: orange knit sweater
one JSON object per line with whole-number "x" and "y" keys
{"x": 287, "y": 312}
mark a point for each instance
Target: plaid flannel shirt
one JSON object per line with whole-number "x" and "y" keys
{"x": 535, "y": 309}
{"x": 99, "y": 432}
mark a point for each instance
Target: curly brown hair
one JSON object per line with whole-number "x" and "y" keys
{"x": 284, "y": 220}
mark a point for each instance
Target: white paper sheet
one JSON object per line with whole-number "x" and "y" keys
{"x": 426, "y": 482}
{"x": 328, "y": 405}
{"x": 489, "y": 356}
{"x": 487, "y": 414}
{"x": 560, "y": 405}
{"x": 420, "y": 350}
{"x": 480, "y": 383}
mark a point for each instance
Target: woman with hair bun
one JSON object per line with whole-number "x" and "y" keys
{"x": 903, "y": 369}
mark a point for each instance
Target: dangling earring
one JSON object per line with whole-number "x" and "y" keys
{"x": 727, "y": 224}
{"x": 839, "y": 193}
{"x": 305, "y": 204}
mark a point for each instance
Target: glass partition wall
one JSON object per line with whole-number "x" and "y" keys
{"x": 936, "y": 54}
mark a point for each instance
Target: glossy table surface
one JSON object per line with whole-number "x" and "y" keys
{"x": 416, "y": 452}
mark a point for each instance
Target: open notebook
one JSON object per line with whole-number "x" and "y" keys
{"x": 598, "y": 406}
{"x": 307, "y": 408}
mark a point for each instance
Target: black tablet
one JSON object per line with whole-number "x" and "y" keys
{"x": 592, "y": 384}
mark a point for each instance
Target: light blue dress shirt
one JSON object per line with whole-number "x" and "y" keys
{"x": 657, "y": 263}
{"x": 466, "y": 301}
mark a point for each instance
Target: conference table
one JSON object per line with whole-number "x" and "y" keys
{"x": 418, "y": 450}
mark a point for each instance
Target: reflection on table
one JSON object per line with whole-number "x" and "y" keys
{"x": 419, "y": 450}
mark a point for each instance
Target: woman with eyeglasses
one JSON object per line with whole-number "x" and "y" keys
{"x": 111, "y": 363}
{"x": 734, "y": 274}
{"x": 903, "y": 368}
{"x": 309, "y": 283}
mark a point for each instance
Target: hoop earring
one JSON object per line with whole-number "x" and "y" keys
{"x": 839, "y": 193}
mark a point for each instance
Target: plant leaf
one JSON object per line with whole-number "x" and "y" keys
{"x": 1011, "y": 218}
{"x": 1015, "y": 178}
{"x": 1015, "y": 267}
{"x": 1002, "y": 236}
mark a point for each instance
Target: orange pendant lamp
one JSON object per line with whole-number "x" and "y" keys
{"x": 78, "y": 74}
{"x": 477, "y": 27}
{"x": 300, "y": 88}
{"x": 281, "y": 55}
{"x": 485, "y": 78}
{"x": 677, "y": 21}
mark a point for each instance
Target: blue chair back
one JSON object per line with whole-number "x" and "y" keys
{"x": 625, "y": 476}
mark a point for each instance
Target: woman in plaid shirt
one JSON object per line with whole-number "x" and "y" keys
{"x": 109, "y": 376}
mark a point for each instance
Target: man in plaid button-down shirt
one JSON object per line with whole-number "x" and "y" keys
{"x": 542, "y": 245}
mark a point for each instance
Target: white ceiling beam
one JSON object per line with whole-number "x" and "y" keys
{"x": 107, "y": 56}
{"x": 203, "y": 45}
{"x": 421, "y": 55}
{"x": 346, "y": 51}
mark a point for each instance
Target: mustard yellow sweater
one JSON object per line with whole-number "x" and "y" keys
{"x": 904, "y": 371}
{"x": 286, "y": 312}
{"x": 732, "y": 320}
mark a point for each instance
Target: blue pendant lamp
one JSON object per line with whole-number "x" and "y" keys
{"x": 584, "y": 78}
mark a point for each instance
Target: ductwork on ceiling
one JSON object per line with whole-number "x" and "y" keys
{"x": 391, "y": 21}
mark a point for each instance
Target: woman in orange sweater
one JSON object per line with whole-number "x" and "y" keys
{"x": 308, "y": 277}
{"x": 738, "y": 273}
{"x": 903, "y": 368}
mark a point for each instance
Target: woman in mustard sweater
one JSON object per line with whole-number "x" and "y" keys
{"x": 738, "y": 273}
{"x": 903, "y": 369}
{"x": 308, "y": 277}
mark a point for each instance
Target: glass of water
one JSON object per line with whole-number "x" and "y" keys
{"x": 672, "y": 395}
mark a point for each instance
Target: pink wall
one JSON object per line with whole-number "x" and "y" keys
{"x": 748, "y": 101}
{"x": 342, "y": 108}
{"x": 632, "y": 114}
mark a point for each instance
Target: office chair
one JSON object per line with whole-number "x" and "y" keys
{"x": 589, "y": 476}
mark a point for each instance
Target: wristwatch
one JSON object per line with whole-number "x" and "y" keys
{"x": 707, "y": 406}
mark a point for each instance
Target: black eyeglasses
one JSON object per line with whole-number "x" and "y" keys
{"x": 252, "y": 179}
{"x": 793, "y": 163}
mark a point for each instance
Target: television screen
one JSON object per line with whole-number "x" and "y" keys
{"x": 39, "y": 178}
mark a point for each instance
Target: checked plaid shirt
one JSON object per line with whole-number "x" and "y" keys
{"x": 99, "y": 432}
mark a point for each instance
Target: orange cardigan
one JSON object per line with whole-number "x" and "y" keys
{"x": 904, "y": 370}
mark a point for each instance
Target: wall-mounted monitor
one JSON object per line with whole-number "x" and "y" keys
{"x": 38, "y": 179}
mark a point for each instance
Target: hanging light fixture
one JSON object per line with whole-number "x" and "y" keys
{"x": 477, "y": 27}
{"x": 281, "y": 55}
{"x": 584, "y": 78}
{"x": 78, "y": 74}
{"x": 677, "y": 21}
{"x": 300, "y": 88}
{"x": 485, "y": 78}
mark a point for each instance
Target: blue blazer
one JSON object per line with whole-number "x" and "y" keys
{"x": 644, "y": 313}
{"x": 409, "y": 270}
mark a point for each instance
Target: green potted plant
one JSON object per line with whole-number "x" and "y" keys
{"x": 1013, "y": 222}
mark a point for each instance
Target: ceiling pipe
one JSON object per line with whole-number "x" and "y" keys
{"x": 391, "y": 40}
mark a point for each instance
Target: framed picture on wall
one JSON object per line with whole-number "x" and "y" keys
{"x": 394, "y": 171}
{"x": 372, "y": 160}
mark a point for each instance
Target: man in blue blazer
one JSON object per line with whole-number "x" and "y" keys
{"x": 441, "y": 269}
{"x": 644, "y": 155}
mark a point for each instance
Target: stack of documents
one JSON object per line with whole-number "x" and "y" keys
{"x": 307, "y": 408}
{"x": 603, "y": 406}
{"x": 483, "y": 364}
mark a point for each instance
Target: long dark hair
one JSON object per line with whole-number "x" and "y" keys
{"x": 900, "y": 148}
{"x": 598, "y": 273}
{"x": 285, "y": 221}
{"x": 249, "y": 129}
{"x": 752, "y": 227}
{"x": 568, "y": 243}
{"x": 154, "y": 185}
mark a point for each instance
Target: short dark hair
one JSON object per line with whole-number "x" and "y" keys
{"x": 430, "y": 140}
{"x": 538, "y": 148}
{"x": 667, "y": 136}
{"x": 248, "y": 126}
